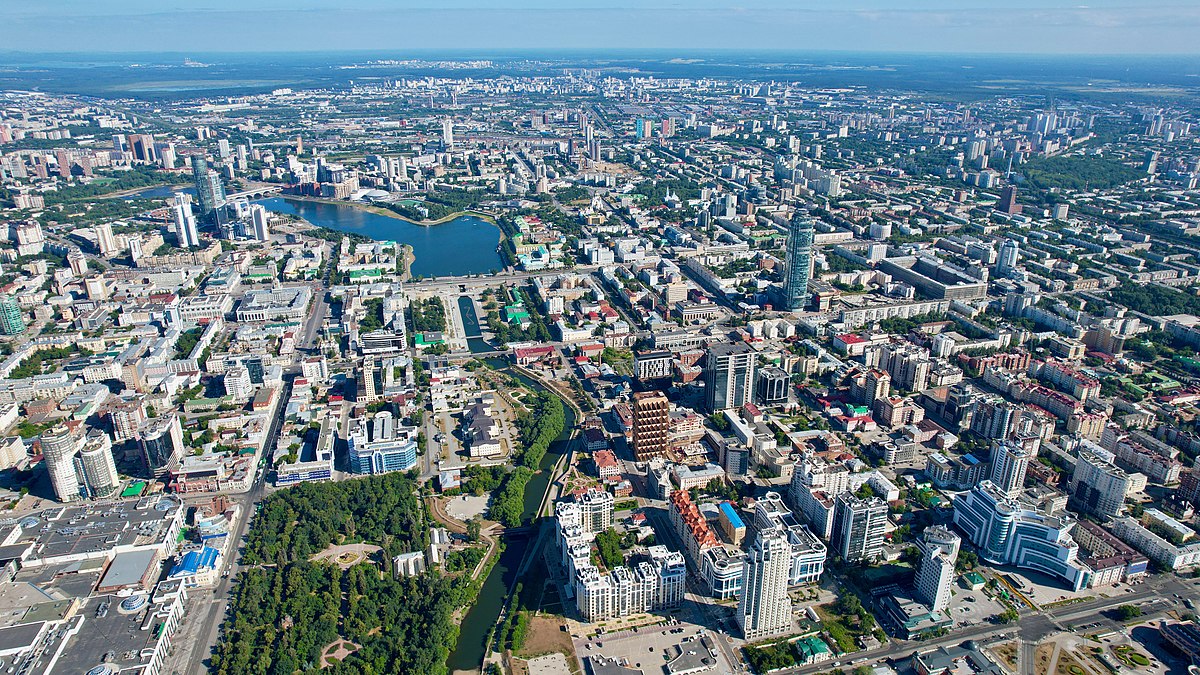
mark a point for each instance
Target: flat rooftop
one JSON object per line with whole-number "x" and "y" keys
{"x": 91, "y": 530}
{"x": 90, "y": 637}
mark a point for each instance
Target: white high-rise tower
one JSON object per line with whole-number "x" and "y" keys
{"x": 95, "y": 464}
{"x": 106, "y": 243}
{"x": 765, "y": 608}
{"x": 935, "y": 572}
{"x": 58, "y": 453}
{"x": 185, "y": 221}
{"x": 1009, "y": 257}
{"x": 448, "y": 132}
{"x": 260, "y": 218}
{"x": 1010, "y": 461}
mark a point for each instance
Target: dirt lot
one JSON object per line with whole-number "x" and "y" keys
{"x": 546, "y": 636}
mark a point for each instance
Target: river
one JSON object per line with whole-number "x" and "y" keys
{"x": 459, "y": 247}
{"x": 477, "y": 625}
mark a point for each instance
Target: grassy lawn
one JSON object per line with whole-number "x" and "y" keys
{"x": 844, "y": 629}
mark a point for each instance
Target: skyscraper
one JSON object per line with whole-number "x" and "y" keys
{"x": 260, "y": 219}
{"x": 185, "y": 221}
{"x": 58, "y": 454}
{"x": 161, "y": 441}
{"x": 12, "y": 319}
{"x": 1010, "y": 461}
{"x": 799, "y": 262}
{"x": 858, "y": 527}
{"x": 95, "y": 465}
{"x": 1010, "y": 255}
{"x": 106, "y": 243}
{"x": 651, "y": 424}
{"x": 935, "y": 571}
{"x": 209, "y": 188}
{"x": 1008, "y": 200}
{"x": 765, "y": 608}
{"x": 448, "y": 132}
{"x": 728, "y": 376}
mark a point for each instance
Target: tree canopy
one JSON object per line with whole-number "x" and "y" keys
{"x": 287, "y": 612}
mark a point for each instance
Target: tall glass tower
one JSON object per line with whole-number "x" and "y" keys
{"x": 799, "y": 262}
{"x": 209, "y": 189}
{"x": 12, "y": 318}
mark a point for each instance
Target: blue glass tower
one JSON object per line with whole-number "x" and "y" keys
{"x": 799, "y": 262}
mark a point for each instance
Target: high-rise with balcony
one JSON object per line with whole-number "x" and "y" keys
{"x": 651, "y": 424}
{"x": 95, "y": 465}
{"x": 858, "y": 527}
{"x": 765, "y": 608}
{"x": 106, "y": 243}
{"x": 1098, "y": 486}
{"x": 58, "y": 452}
{"x": 185, "y": 221}
{"x": 935, "y": 571}
{"x": 1010, "y": 462}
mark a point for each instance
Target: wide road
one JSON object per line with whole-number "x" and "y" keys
{"x": 443, "y": 283}
{"x": 211, "y": 610}
{"x": 1034, "y": 626}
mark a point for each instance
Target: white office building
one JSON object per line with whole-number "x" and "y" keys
{"x": 1010, "y": 461}
{"x": 1008, "y": 531}
{"x": 935, "y": 571}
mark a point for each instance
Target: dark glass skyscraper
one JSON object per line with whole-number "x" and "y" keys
{"x": 729, "y": 376}
{"x": 799, "y": 262}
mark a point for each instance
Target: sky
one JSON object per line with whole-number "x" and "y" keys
{"x": 950, "y": 26}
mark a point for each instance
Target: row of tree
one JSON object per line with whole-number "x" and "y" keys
{"x": 508, "y": 503}
{"x": 540, "y": 428}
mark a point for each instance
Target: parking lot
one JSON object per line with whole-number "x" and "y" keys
{"x": 969, "y": 607}
{"x": 650, "y": 649}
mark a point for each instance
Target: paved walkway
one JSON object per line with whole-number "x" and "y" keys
{"x": 354, "y": 554}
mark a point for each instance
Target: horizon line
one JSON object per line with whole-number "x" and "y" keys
{"x": 593, "y": 50}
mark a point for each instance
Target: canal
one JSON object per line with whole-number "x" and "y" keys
{"x": 471, "y": 328}
{"x": 459, "y": 247}
{"x": 472, "y": 644}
